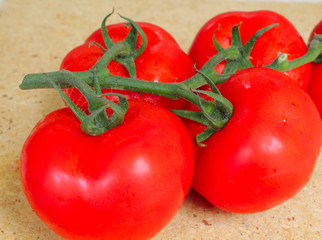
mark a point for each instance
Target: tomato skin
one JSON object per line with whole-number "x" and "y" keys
{"x": 315, "y": 85}
{"x": 162, "y": 61}
{"x": 125, "y": 184}
{"x": 266, "y": 153}
{"x": 283, "y": 38}
{"x": 317, "y": 29}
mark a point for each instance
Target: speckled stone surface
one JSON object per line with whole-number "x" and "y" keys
{"x": 35, "y": 36}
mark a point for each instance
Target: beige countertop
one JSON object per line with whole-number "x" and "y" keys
{"x": 35, "y": 36}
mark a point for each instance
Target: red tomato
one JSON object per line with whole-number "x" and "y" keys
{"x": 315, "y": 85}
{"x": 283, "y": 38}
{"x": 267, "y": 151}
{"x": 158, "y": 63}
{"x": 124, "y": 184}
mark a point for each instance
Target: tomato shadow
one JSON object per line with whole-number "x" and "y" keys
{"x": 17, "y": 219}
{"x": 199, "y": 203}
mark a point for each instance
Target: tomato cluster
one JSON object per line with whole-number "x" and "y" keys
{"x": 129, "y": 182}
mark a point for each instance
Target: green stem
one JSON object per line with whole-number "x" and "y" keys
{"x": 314, "y": 52}
{"x": 98, "y": 74}
{"x": 169, "y": 90}
{"x": 282, "y": 64}
{"x": 208, "y": 69}
{"x": 40, "y": 80}
{"x": 117, "y": 49}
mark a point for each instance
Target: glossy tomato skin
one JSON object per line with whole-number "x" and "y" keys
{"x": 315, "y": 85}
{"x": 283, "y": 38}
{"x": 266, "y": 153}
{"x": 125, "y": 184}
{"x": 162, "y": 61}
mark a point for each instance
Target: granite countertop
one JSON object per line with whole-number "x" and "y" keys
{"x": 36, "y": 35}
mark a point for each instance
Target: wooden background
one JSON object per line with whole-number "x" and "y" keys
{"x": 36, "y": 35}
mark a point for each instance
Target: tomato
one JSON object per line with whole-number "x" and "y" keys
{"x": 162, "y": 61}
{"x": 282, "y": 38}
{"x": 315, "y": 85}
{"x": 124, "y": 184}
{"x": 267, "y": 151}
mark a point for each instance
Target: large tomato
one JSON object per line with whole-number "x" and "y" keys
{"x": 315, "y": 85}
{"x": 162, "y": 61}
{"x": 124, "y": 184}
{"x": 267, "y": 151}
{"x": 283, "y": 38}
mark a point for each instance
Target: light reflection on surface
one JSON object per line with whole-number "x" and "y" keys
{"x": 272, "y": 144}
{"x": 141, "y": 167}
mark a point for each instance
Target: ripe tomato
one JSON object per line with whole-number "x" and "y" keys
{"x": 158, "y": 63}
{"x": 267, "y": 151}
{"x": 283, "y": 38}
{"x": 315, "y": 85}
{"x": 124, "y": 184}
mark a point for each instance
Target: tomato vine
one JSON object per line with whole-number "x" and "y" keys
{"x": 214, "y": 113}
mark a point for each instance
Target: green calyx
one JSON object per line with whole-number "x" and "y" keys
{"x": 213, "y": 113}
{"x": 97, "y": 122}
{"x": 127, "y": 57}
{"x": 242, "y": 60}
